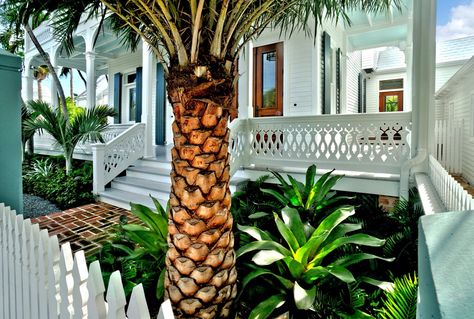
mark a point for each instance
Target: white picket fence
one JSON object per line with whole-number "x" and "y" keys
{"x": 451, "y": 193}
{"x": 41, "y": 279}
{"x": 448, "y": 145}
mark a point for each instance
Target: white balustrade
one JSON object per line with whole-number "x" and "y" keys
{"x": 53, "y": 283}
{"x": 374, "y": 142}
{"x": 451, "y": 193}
{"x": 113, "y": 157}
{"x": 46, "y": 143}
{"x": 237, "y": 144}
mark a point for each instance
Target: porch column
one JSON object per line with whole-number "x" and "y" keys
{"x": 149, "y": 62}
{"x": 28, "y": 81}
{"x": 91, "y": 79}
{"x": 53, "y": 87}
{"x": 423, "y": 84}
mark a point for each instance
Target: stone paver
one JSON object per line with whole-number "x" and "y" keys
{"x": 85, "y": 227}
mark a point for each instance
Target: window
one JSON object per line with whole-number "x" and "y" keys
{"x": 391, "y": 95}
{"x": 129, "y": 110}
{"x": 326, "y": 73}
{"x": 268, "y": 85}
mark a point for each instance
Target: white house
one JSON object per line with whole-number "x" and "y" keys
{"x": 300, "y": 100}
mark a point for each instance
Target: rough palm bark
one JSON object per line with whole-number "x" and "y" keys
{"x": 201, "y": 275}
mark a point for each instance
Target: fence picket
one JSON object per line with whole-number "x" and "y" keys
{"x": 18, "y": 274}
{"x": 166, "y": 311}
{"x": 54, "y": 298}
{"x": 66, "y": 281}
{"x": 43, "y": 256}
{"x": 34, "y": 288}
{"x": 25, "y": 245}
{"x": 80, "y": 293}
{"x": 116, "y": 297}
{"x": 3, "y": 265}
{"x": 11, "y": 262}
{"x": 138, "y": 308}
{"x": 96, "y": 307}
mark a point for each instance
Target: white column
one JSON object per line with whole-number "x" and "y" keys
{"x": 53, "y": 87}
{"x": 91, "y": 79}
{"x": 28, "y": 78}
{"x": 147, "y": 102}
{"x": 423, "y": 77}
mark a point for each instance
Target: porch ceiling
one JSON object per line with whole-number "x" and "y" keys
{"x": 376, "y": 30}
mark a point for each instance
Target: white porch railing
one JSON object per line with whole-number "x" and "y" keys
{"x": 39, "y": 279}
{"x": 45, "y": 142}
{"x": 374, "y": 142}
{"x": 451, "y": 193}
{"x": 448, "y": 145}
{"x": 113, "y": 157}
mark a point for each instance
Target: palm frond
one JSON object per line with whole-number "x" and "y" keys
{"x": 401, "y": 302}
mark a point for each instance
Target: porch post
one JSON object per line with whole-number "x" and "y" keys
{"x": 148, "y": 63}
{"x": 423, "y": 84}
{"x": 28, "y": 81}
{"x": 53, "y": 87}
{"x": 91, "y": 79}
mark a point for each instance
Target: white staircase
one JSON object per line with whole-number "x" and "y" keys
{"x": 144, "y": 178}
{"x": 150, "y": 176}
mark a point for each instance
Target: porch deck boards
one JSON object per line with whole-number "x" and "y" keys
{"x": 85, "y": 227}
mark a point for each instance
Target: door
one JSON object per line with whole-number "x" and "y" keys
{"x": 268, "y": 72}
{"x": 391, "y": 101}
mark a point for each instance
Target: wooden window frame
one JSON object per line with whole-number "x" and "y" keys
{"x": 382, "y": 95}
{"x": 259, "y": 111}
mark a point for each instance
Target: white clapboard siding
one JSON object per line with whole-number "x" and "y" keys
{"x": 448, "y": 149}
{"x": 40, "y": 279}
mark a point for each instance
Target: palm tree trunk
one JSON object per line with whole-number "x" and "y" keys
{"x": 40, "y": 90}
{"x": 50, "y": 67}
{"x": 201, "y": 274}
{"x": 68, "y": 158}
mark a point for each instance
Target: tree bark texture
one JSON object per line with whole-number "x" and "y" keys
{"x": 201, "y": 275}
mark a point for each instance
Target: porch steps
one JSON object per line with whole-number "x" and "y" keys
{"x": 146, "y": 177}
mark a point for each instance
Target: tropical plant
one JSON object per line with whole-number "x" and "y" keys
{"x": 86, "y": 126}
{"x": 40, "y": 73}
{"x": 26, "y": 135}
{"x": 400, "y": 302}
{"x": 40, "y": 168}
{"x": 138, "y": 251}
{"x": 198, "y": 43}
{"x": 315, "y": 199}
{"x": 299, "y": 261}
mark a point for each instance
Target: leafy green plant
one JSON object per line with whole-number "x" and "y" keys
{"x": 41, "y": 169}
{"x": 400, "y": 302}
{"x": 138, "y": 251}
{"x": 299, "y": 260}
{"x": 314, "y": 198}
{"x": 68, "y": 132}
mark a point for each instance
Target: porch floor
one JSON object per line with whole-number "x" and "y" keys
{"x": 465, "y": 184}
{"x": 85, "y": 227}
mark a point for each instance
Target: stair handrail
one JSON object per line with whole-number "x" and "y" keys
{"x": 113, "y": 157}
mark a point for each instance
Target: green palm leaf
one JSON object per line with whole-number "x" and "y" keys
{"x": 401, "y": 302}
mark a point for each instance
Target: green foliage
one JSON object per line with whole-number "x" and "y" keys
{"x": 73, "y": 110}
{"x": 138, "y": 251}
{"x": 46, "y": 178}
{"x": 400, "y": 303}
{"x": 299, "y": 259}
{"x": 314, "y": 198}
{"x": 83, "y": 126}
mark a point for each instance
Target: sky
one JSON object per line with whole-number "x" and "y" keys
{"x": 455, "y": 19}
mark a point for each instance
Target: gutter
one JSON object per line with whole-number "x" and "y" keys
{"x": 405, "y": 171}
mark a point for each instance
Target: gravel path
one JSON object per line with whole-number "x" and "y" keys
{"x": 34, "y": 206}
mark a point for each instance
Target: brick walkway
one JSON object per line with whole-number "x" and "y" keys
{"x": 85, "y": 227}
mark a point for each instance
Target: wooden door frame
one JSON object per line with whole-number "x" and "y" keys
{"x": 258, "y": 80}
{"x": 382, "y": 96}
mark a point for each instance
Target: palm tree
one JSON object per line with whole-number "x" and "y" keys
{"x": 40, "y": 73}
{"x": 85, "y": 126}
{"x": 198, "y": 43}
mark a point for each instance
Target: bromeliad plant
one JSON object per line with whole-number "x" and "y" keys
{"x": 314, "y": 198}
{"x": 301, "y": 258}
{"x": 138, "y": 251}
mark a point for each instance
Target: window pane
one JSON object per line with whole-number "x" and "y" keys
{"x": 131, "y": 78}
{"x": 269, "y": 79}
{"x": 391, "y": 103}
{"x": 132, "y": 105}
{"x": 391, "y": 84}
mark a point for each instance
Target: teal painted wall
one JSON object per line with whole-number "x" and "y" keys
{"x": 10, "y": 131}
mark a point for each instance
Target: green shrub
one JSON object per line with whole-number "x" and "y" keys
{"x": 47, "y": 179}
{"x": 401, "y": 301}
